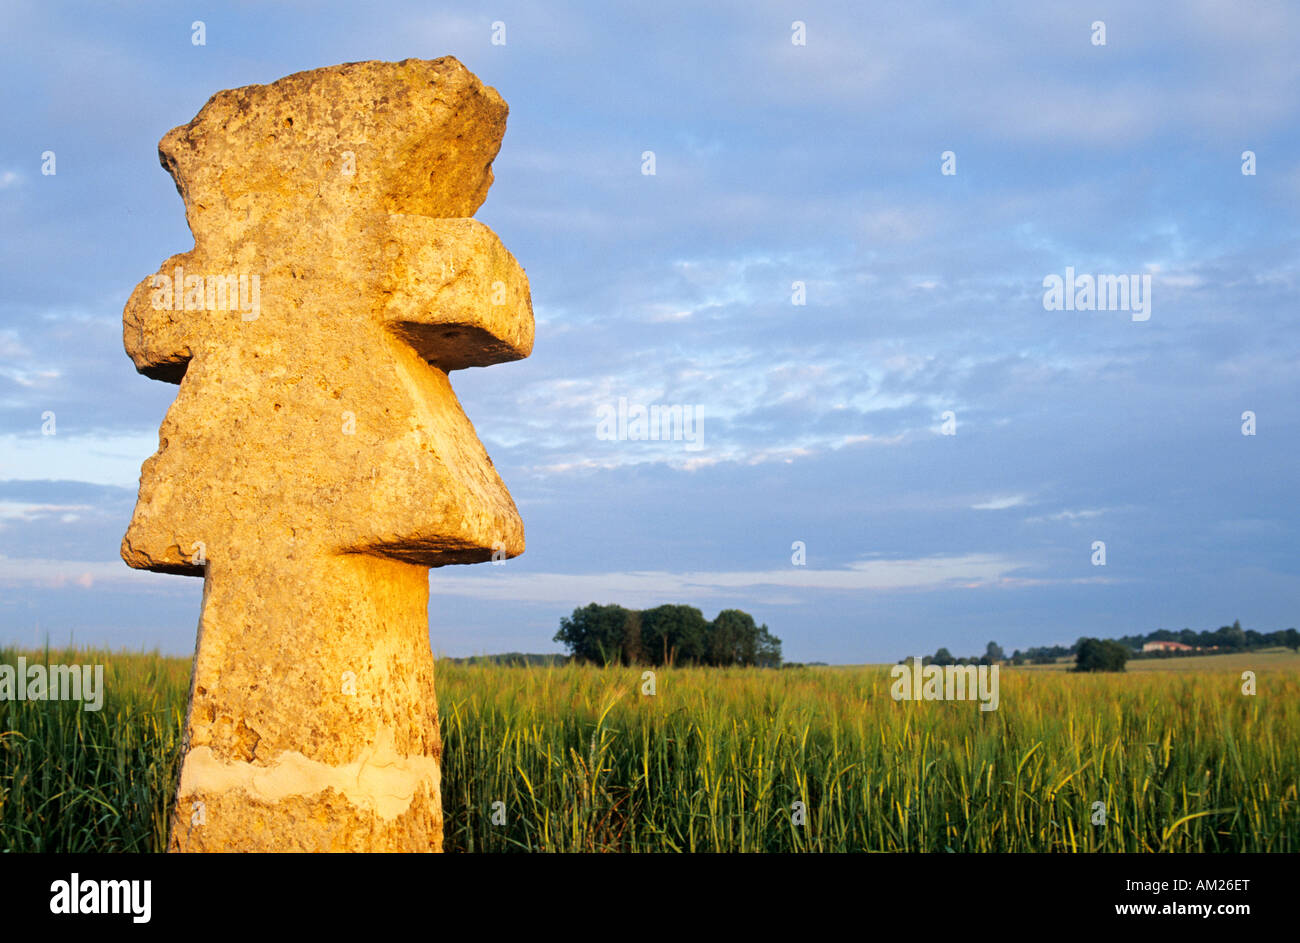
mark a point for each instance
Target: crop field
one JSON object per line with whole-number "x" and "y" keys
{"x": 577, "y": 758}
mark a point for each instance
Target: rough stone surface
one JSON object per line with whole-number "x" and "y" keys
{"x": 315, "y": 461}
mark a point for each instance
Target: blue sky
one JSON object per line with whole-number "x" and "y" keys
{"x": 821, "y": 422}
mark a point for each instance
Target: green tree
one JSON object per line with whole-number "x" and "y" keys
{"x": 674, "y": 635}
{"x": 1230, "y": 636}
{"x": 943, "y": 657}
{"x": 733, "y": 639}
{"x": 1100, "y": 655}
{"x": 994, "y": 653}
{"x": 633, "y": 645}
{"x": 769, "y": 649}
{"x": 666, "y": 634}
{"x": 598, "y": 634}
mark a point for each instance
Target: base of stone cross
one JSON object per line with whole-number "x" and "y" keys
{"x": 312, "y": 723}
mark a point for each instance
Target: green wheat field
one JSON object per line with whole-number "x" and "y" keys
{"x": 717, "y": 759}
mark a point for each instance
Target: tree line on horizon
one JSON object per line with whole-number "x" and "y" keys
{"x": 667, "y": 635}
{"x": 1226, "y": 638}
{"x": 993, "y": 654}
{"x": 1093, "y": 654}
{"x": 1090, "y": 655}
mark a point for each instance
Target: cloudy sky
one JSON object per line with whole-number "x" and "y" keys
{"x": 821, "y": 423}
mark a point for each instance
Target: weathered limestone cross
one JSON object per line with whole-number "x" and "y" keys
{"x": 315, "y": 461}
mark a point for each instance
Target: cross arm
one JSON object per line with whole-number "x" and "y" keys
{"x": 458, "y": 296}
{"x": 155, "y": 332}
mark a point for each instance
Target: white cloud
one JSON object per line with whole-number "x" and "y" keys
{"x": 652, "y": 587}
{"x": 1086, "y": 514}
{"x": 25, "y": 511}
{"x": 83, "y": 573}
{"x": 96, "y": 459}
{"x": 1002, "y": 503}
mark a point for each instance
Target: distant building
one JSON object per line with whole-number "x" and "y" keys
{"x": 1167, "y": 647}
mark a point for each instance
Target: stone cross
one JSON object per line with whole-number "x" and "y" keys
{"x": 315, "y": 461}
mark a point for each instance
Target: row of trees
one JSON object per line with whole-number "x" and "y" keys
{"x": 1230, "y": 638}
{"x": 667, "y": 635}
{"x": 1090, "y": 655}
{"x": 1042, "y": 654}
{"x": 993, "y": 654}
{"x": 1226, "y": 637}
